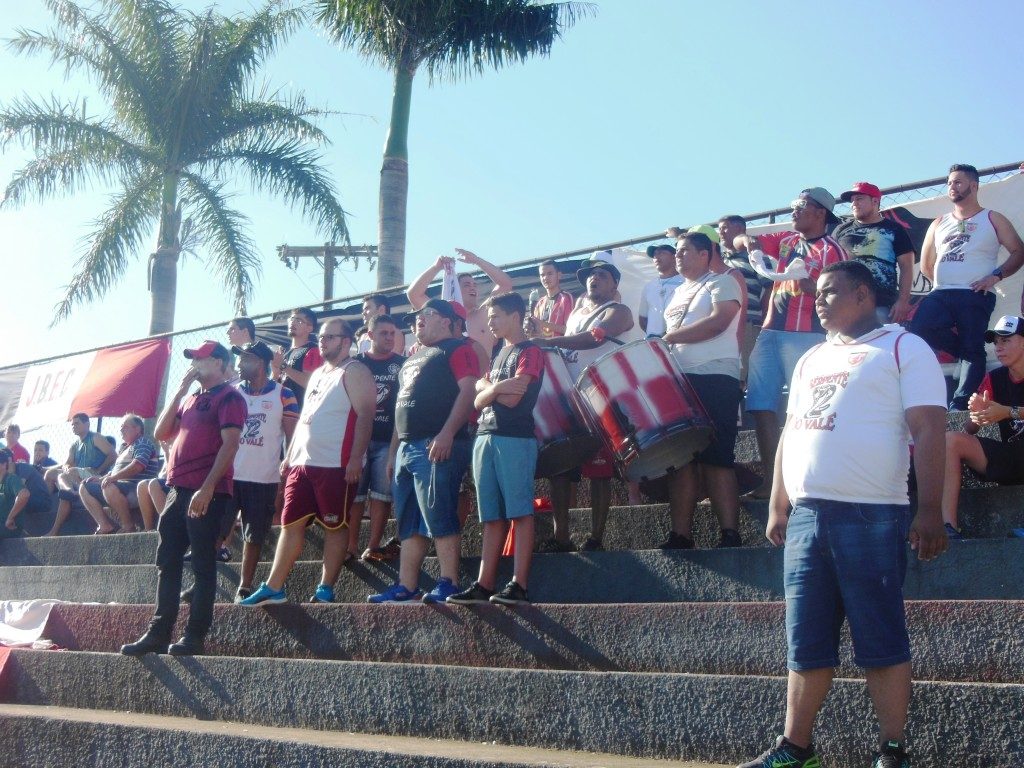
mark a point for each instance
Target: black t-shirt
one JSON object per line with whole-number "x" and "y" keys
{"x": 1003, "y": 390}
{"x": 497, "y": 419}
{"x": 385, "y": 375}
{"x": 428, "y": 388}
{"x": 877, "y": 245}
{"x": 33, "y": 480}
{"x": 296, "y": 358}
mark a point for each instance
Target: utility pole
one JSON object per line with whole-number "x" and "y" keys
{"x": 327, "y": 255}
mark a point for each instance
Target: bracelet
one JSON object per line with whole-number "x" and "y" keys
{"x": 598, "y": 334}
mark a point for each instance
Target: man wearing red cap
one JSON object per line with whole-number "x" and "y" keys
{"x": 883, "y": 245}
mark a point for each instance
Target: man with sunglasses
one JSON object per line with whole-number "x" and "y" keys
{"x": 959, "y": 255}
{"x": 791, "y": 326}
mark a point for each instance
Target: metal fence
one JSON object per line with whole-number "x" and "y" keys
{"x": 271, "y": 326}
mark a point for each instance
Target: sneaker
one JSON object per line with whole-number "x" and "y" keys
{"x": 396, "y": 593}
{"x": 953, "y": 533}
{"x": 891, "y": 756}
{"x": 265, "y": 595}
{"x": 554, "y": 546}
{"x": 241, "y": 594}
{"x": 785, "y": 755}
{"x": 224, "y": 555}
{"x": 475, "y": 595}
{"x": 592, "y": 545}
{"x": 1016, "y": 533}
{"x": 443, "y": 589}
{"x": 187, "y": 556}
{"x": 512, "y": 594}
{"x": 324, "y": 594}
{"x": 393, "y": 548}
{"x": 730, "y": 538}
{"x": 378, "y": 555}
{"x": 677, "y": 541}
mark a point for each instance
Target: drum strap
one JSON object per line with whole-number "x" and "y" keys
{"x": 686, "y": 309}
{"x": 593, "y": 317}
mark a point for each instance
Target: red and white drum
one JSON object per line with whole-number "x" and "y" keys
{"x": 562, "y": 433}
{"x": 650, "y": 417}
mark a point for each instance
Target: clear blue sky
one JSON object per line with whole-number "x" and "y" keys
{"x": 651, "y": 113}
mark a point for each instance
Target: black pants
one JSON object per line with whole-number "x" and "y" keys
{"x": 177, "y": 532}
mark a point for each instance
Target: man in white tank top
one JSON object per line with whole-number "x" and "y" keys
{"x": 323, "y": 463}
{"x": 959, "y": 256}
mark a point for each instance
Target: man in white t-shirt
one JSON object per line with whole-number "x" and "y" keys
{"x": 323, "y": 463}
{"x": 855, "y": 402}
{"x": 658, "y": 292}
{"x": 701, "y": 318}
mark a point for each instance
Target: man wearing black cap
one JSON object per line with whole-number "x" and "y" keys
{"x": 205, "y": 428}
{"x": 592, "y": 330}
{"x": 273, "y": 412}
{"x": 658, "y": 292}
{"x": 999, "y": 400}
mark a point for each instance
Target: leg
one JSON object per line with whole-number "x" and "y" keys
{"x": 355, "y": 524}
{"x": 495, "y": 533}
{"x": 805, "y": 693}
{"x": 95, "y": 509}
{"x": 250, "y": 559}
{"x": 682, "y": 495}
{"x": 766, "y": 426}
{"x": 449, "y": 549}
{"x": 335, "y": 550}
{"x": 378, "y": 520}
{"x": 964, "y": 448}
{"x": 972, "y": 312}
{"x": 289, "y": 547}
{"x": 414, "y": 552}
{"x": 933, "y": 321}
{"x": 524, "y": 538}
{"x": 174, "y": 540}
{"x": 203, "y": 534}
{"x": 563, "y": 494}
{"x": 724, "y": 493}
{"x": 119, "y": 506}
{"x": 146, "y": 507}
{"x": 600, "y": 502}
{"x": 889, "y": 688}
{"x": 50, "y": 476}
{"x": 63, "y": 513}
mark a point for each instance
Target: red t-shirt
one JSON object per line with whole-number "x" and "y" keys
{"x": 790, "y": 308}
{"x": 201, "y": 417}
{"x": 20, "y": 453}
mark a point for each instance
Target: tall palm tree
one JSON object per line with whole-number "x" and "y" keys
{"x": 452, "y": 39}
{"x": 185, "y": 115}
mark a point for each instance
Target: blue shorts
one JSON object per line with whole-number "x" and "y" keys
{"x": 126, "y": 487}
{"x": 503, "y": 470}
{"x": 374, "y": 482}
{"x": 846, "y": 560}
{"x": 426, "y": 493}
{"x": 771, "y": 366}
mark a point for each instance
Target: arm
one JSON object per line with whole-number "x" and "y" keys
{"x": 108, "y": 453}
{"x": 902, "y": 306}
{"x": 614, "y": 321}
{"x": 643, "y": 310}
{"x": 441, "y": 445}
{"x": 1010, "y": 240}
{"x": 417, "y": 291}
{"x": 310, "y": 363}
{"x": 928, "y": 252}
{"x": 502, "y": 282}
{"x": 20, "y": 501}
{"x": 706, "y": 328}
{"x": 125, "y": 473}
{"x": 778, "y": 505}
{"x": 507, "y": 392}
{"x": 362, "y": 393}
{"x": 167, "y": 424}
{"x": 928, "y": 426}
{"x": 225, "y": 458}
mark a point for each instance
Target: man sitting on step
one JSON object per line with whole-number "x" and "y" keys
{"x": 999, "y": 400}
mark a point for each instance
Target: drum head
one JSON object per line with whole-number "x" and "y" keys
{"x": 672, "y": 452}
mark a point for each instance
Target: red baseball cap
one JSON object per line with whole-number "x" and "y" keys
{"x": 862, "y": 188}
{"x": 208, "y": 349}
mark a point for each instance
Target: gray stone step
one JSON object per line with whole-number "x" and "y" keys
{"x": 970, "y": 641}
{"x": 979, "y": 569}
{"x": 696, "y": 717}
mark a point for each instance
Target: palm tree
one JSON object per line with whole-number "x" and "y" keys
{"x": 451, "y": 38}
{"x": 184, "y": 116}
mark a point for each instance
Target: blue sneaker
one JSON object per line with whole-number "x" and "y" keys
{"x": 265, "y": 595}
{"x": 324, "y": 594}
{"x": 1016, "y": 533}
{"x": 441, "y": 591}
{"x": 396, "y": 593}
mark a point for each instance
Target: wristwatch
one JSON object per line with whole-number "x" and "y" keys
{"x": 997, "y": 272}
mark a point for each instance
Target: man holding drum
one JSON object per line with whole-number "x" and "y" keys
{"x": 702, "y": 317}
{"x": 591, "y": 331}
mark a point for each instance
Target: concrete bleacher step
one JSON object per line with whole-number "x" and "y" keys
{"x": 715, "y": 718}
{"x": 35, "y": 736}
{"x": 980, "y": 569}
{"x": 951, "y": 640}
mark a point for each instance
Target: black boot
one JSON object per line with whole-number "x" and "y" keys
{"x": 189, "y": 645}
{"x": 148, "y": 643}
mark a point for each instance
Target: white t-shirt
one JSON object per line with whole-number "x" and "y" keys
{"x": 965, "y": 251}
{"x": 258, "y": 459}
{"x": 654, "y": 299}
{"x": 326, "y": 429}
{"x": 695, "y": 300}
{"x": 847, "y": 437}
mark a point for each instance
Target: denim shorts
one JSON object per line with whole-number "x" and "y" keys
{"x": 771, "y": 366}
{"x": 426, "y": 493}
{"x": 503, "y": 470}
{"x": 846, "y": 561}
{"x": 374, "y": 482}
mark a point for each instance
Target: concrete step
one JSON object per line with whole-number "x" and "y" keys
{"x": 978, "y": 569}
{"x": 695, "y": 717}
{"x": 35, "y": 736}
{"x": 951, "y": 640}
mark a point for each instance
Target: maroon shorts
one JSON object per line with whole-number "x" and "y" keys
{"x": 602, "y": 465}
{"x": 317, "y": 493}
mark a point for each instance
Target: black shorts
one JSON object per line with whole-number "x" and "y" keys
{"x": 720, "y": 395}
{"x": 1005, "y": 461}
{"x": 256, "y": 503}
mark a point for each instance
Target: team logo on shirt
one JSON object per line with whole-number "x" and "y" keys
{"x": 856, "y": 358}
{"x": 823, "y": 393}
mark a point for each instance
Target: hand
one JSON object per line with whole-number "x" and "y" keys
{"x": 532, "y": 326}
{"x": 510, "y": 387}
{"x": 10, "y": 524}
{"x": 278, "y": 362}
{"x": 191, "y": 375}
{"x": 985, "y": 284}
{"x": 928, "y": 536}
{"x": 984, "y": 411}
{"x": 440, "y": 262}
{"x": 900, "y": 310}
{"x": 284, "y": 468}
{"x": 673, "y": 232}
{"x": 467, "y": 256}
{"x": 775, "y": 531}
{"x": 440, "y": 448}
{"x": 353, "y": 471}
{"x": 200, "y": 502}
{"x": 105, "y": 481}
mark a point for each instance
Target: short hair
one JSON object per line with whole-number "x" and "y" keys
{"x": 701, "y": 242}
{"x": 307, "y": 313}
{"x": 81, "y": 417}
{"x": 970, "y": 170}
{"x": 509, "y": 302}
{"x": 857, "y": 273}
{"x": 135, "y": 419}
{"x": 247, "y": 325}
{"x": 463, "y": 275}
{"x": 346, "y": 329}
{"x": 45, "y": 444}
{"x": 733, "y": 218}
{"x": 14, "y": 428}
{"x": 548, "y": 263}
{"x": 379, "y": 300}
{"x": 111, "y": 440}
{"x": 381, "y": 320}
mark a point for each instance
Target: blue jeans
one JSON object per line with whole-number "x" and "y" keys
{"x": 969, "y": 312}
{"x": 374, "y": 481}
{"x": 846, "y": 560}
{"x": 503, "y": 471}
{"x": 426, "y": 493}
{"x": 771, "y": 365}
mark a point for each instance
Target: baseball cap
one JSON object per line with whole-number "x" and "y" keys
{"x": 707, "y": 230}
{"x": 653, "y": 249}
{"x": 257, "y": 348}
{"x": 861, "y": 188}
{"x": 822, "y": 197}
{"x": 1007, "y": 325}
{"x": 209, "y": 349}
{"x": 584, "y": 272}
{"x": 450, "y": 309}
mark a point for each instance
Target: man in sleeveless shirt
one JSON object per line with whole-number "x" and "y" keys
{"x": 592, "y": 330}
{"x": 323, "y": 464}
{"x": 959, "y": 256}
{"x": 272, "y": 415}
{"x": 90, "y": 456}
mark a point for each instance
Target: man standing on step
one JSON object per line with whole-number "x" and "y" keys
{"x": 431, "y": 450}
{"x": 323, "y": 464}
{"x": 205, "y": 427}
{"x": 294, "y": 367}
{"x": 855, "y": 402}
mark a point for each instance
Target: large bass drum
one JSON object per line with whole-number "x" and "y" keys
{"x": 563, "y": 436}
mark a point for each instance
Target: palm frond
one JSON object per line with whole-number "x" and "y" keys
{"x": 249, "y": 41}
{"x": 260, "y": 121}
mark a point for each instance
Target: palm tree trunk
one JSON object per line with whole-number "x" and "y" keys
{"x": 394, "y": 185}
{"x": 163, "y": 275}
